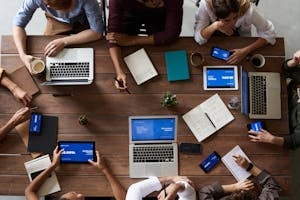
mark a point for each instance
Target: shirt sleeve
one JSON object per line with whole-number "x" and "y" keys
{"x": 114, "y": 19}
{"x": 270, "y": 188}
{"x": 141, "y": 189}
{"x": 173, "y": 22}
{"x": 211, "y": 192}
{"x": 94, "y": 15}
{"x": 188, "y": 193}
{"x": 202, "y": 20}
{"x": 25, "y": 13}
{"x": 292, "y": 141}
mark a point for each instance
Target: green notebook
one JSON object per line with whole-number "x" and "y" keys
{"x": 177, "y": 65}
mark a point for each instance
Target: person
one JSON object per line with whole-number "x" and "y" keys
{"x": 229, "y": 18}
{"x": 162, "y": 20}
{"x": 18, "y": 93}
{"x": 291, "y": 68}
{"x": 262, "y": 186}
{"x": 80, "y": 18}
{"x": 19, "y": 117}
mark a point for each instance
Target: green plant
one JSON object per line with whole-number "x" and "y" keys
{"x": 82, "y": 120}
{"x": 168, "y": 99}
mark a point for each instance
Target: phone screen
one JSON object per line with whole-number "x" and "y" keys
{"x": 255, "y": 126}
{"x": 219, "y": 53}
{"x": 210, "y": 162}
{"x": 35, "y": 123}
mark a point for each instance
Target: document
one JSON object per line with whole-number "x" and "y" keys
{"x": 208, "y": 117}
{"x": 38, "y": 165}
{"x": 238, "y": 172}
{"x": 140, "y": 66}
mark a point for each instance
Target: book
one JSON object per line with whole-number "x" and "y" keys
{"x": 177, "y": 65}
{"x": 208, "y": 117}
{"x": 140, "y": 66}
{"x": 238, "y": 172}
{"x": 38, "y": 165}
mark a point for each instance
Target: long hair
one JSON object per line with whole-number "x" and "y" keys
{"x": 59, "y": 4}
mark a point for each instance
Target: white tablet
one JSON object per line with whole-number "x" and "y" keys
{"x": 220, "y": 77}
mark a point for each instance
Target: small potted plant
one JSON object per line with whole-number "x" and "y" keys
{"x": 168, "y": 99}
{"x": 82, "y": 120}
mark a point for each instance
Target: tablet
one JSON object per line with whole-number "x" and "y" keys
{"x": 77, "y": 151}
{"x": 220, "y": 77}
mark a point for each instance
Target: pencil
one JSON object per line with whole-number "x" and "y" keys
{"x": 121, "y": 84}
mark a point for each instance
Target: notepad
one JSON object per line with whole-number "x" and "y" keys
{"x": 140, "y": 66}
{"x": 177, "y": 65}
{"x": 37, "y": 166}
{"x": 208, "y": 117}
{"x": 238, "y": 172}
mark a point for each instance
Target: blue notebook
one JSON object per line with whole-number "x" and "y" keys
{"x": 177, "y": 65}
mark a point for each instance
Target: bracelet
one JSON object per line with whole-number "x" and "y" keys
{"x": 249, "y": 167}
{"x": 196, "y": 59}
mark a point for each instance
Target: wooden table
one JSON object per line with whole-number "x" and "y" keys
{"x": 107, "y": 110}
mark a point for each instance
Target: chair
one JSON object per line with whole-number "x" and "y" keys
{"x": 253, "y": 1}
{"x": 104, "y": 5}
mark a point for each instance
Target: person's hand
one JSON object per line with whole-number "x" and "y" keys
{"x": 225, "y": 28}
{"x": 27, "y": 59}
{"x": 56, "y": 156}
{"x": 120, "y": 39}
{"x": 171, "y": 191}
{"x": 54, "y": 47}
{"x": 22, "y": 96}
{"x": 241, "y": 161}
{"x": 261, "y": 136}
{"x": 237, "y": 56}
{"x": 175, "y": 179}
{"x": 295, "y": 61}
{"x": 121, "y": 83}
{"x": 100, "y": 164}
{"x": 243, "y": 185}
{"x": 20, "y": 116}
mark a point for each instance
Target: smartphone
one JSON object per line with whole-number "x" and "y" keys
{"x": 220, "y": 53}
{"x": 190, "y": 148}
{"x": 35, "y": 123}
{"x": 256, "y": 126}
{"x": 212, "y": 160}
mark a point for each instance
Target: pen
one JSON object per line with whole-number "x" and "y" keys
{"x": 33, "y": 108}
{"x": 121, "y": 84}
{"x": 210, "y": 120}
{"x": 165, "y": 190}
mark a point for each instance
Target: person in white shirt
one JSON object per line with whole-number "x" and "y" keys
{"x": 232, "y": 17}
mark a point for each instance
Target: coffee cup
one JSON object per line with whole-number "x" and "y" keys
{"x": 196, "y": 59}
{"x": 37, "y": 66}
{"x": 258, "y": 61}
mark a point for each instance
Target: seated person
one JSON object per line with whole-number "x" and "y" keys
{"x": 262, "y": 186}
{"x": 18, "y": 93}
{"x": 291, "y": 69}
{"x": 19, "y": 117}
{"x": 81, "y": 18}
{"x": 162, "y": 20}
{"x": 232, "y": 17}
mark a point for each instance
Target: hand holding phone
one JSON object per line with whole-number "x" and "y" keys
{"x": 35, "y": 124}
{"x": 220, "y": 53}
{"x": 256, "y": 126}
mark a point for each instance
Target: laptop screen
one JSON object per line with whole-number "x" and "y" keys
{"x": 220, "y": 77}
{"x": 153, "y": 129}
{"x": 244, "y": 92}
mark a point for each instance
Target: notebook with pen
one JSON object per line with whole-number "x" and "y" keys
{"x": 208, "y": 117}
{"x": 177, "y": 65}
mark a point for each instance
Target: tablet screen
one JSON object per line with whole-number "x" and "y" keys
{"x": 77, "y": 152}
{"x": 220, "y": 78}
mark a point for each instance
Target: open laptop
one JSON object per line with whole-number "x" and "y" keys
{"x": 260, "y": 94}
{"x": 152, "y": 146}
{"x": 73, "y": 66}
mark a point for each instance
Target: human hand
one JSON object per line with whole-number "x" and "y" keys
{"x": 170, "y": 192}
{"x": 20, "y": 116}
{"x": 101, "y": 162}
{"x": 56, "y": 156}
{"x": 120, "y": 39}
{"x": 54, "y": 47}
{"x": 22, "y": 96}
{"x": 295, "y": 60}
{"x": 241, "y": 161}
{"x": 121, "y": 83}
{"x": 244, "y": 185}
{"x": 27, "y": 59}
{"x": 261, "y": 136}
{"x": 237, "y": 55}
{"x": 227, "y": 29}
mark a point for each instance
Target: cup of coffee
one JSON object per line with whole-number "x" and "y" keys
{"x": 196, "y": 59}
{"x": 37, "y": 66}
{"x": 258, "y": 61}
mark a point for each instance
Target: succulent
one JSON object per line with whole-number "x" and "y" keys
{"x": 82, "y": 120}
{"x": 168, "y": 99}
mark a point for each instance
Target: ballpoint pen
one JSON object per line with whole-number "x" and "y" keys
{"x": 121, "y": 84}
{"x": 210, "y": 120}
{"x": 33, "y": 108}
{"x": 165, "y": 190}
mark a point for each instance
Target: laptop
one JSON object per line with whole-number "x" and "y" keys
{"x": 260, "y": 94}
{"x": 152, "y": 146}
{"x": 72, "y": 66}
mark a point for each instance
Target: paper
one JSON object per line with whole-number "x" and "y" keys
{"x": 238, "y": 172}
{"x": 208, "y": 117}
{"x": 140, "y": 66}
{"x": 51, "y": 184}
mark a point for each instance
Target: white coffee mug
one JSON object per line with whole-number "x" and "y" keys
{"x": 37, "y": 66}
{"x": 258, "y": 61}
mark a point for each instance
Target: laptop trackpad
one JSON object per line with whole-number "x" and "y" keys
{"x": 153, "y": 170}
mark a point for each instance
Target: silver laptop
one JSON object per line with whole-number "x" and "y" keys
{"x": 153, "y": 149}
{"x": 261, "y": 94}
{"x": 73, "y": 66}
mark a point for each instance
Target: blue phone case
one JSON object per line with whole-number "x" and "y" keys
{"x": 210, "y": 162}
{"x": 219, "y": 53}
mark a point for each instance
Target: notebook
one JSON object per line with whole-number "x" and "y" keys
{"x": 153, "y": 146}
{"x": 238, "y": 172}
{"x": 177, "y": 65}
{"x": 208, "y": 117}
{"x": 261, "y": 94}
{"x": 37, "y": 166}
{"x": 140, "y": 66}
{"x": 73, "y": 66}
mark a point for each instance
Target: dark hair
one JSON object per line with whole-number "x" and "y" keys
{"x": 252, "y": 194}
{"x": 59, "y": 4}
{"x": 223, "y": 8}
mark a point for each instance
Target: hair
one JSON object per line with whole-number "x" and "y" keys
{"x": 252, "y": 194}
{"x": 223, "y": 8}
{"x": 59, "y": 4}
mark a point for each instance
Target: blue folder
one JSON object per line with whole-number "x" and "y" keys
{"x": 177, "y": 65}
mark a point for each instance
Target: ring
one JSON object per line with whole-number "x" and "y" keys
{"x": 196, "y": 59}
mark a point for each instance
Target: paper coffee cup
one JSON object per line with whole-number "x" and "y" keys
{"x": 258, "y": 61}
{"x": 37, "y": 66}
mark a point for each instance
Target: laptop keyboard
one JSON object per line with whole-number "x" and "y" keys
{"x": 153, "y": 153}
{"x": 258, "y": 95}
{"x": 69, "y": 70}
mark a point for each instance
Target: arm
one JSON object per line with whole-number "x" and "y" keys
{"x": 265, "y": 137}
{"x": 294, "y": 61}
{"x": 32, "y": 189}
{"x": 117, "y": 189}
{"x": 115, "y": 55}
